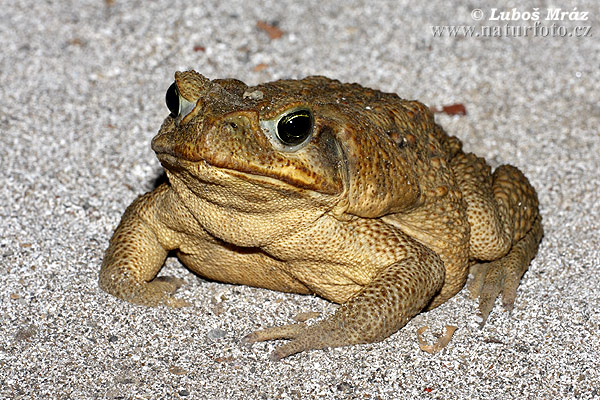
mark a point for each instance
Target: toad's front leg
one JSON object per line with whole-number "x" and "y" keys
{"x": 137, "y": 251}
{"x": 384, "y": 306}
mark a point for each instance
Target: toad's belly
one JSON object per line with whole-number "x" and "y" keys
{"x": 253, "y": 267}
{"x": 249, "y": 268}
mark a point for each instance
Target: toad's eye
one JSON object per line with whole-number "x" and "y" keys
{"x": 179, "y": 106}
{"x": 291, "y": 130}
{"x": 295, "y": 128}
{"x": 172, "y": 100}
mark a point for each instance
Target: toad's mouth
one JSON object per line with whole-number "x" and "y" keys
{"x": 210, "y": 169}
{"x": 204, "y": 171}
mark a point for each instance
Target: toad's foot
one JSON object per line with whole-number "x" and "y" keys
{"x": 160, "y": 292}
{"x": 504, "y": 275}
{"x": 380, "y": 309}
{"x": 157, "y": 292}
{"x": 304, "y": 337}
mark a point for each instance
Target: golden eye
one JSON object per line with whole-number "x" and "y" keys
{"x": 295, "y": 128}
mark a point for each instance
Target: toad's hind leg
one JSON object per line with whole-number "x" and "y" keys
{"x": 384, "y": 306}
{"x": 504, "y": 275}
{"x": 506, "y": 228}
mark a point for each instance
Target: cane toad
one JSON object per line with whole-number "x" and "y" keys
{"x": 320, "y": 187}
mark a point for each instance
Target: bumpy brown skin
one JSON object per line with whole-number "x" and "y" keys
{"x": 380, "y": 211}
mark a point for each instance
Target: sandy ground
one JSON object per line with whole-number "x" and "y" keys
{"x": 82, "y": 88}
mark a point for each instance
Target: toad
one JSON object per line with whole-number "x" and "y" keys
{"x": 320, "y": 187}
